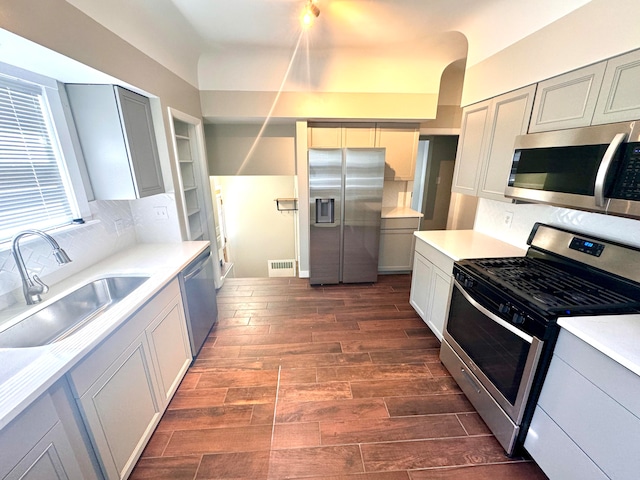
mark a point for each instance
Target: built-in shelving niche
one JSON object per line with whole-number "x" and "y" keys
{"x": 193, "y": 187}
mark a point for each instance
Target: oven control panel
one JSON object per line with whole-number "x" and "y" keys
{"x": 586, "y": 246}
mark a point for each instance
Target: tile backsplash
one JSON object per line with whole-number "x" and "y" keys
{"x": 490, "y": 219}
{"x": 116, "y": 225}
{"x": 397, "y": 194}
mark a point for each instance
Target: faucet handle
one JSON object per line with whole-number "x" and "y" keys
{"x": 44, "y": 288}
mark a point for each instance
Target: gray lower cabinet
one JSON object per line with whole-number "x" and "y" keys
{"x": 431, "y": 286}
{"x": 397, "y": 244}
{"x": 47, "y": 441}
{"x": 118, "y": 141}
{"x": 123, "y": 387}
{"x": 587, "y": 421}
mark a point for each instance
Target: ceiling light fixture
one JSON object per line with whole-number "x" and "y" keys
{"x": 310, "y": 13}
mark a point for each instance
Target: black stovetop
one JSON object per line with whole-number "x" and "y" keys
{"x": 558, "y": 288}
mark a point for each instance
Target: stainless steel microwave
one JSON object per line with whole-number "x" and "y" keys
{"x": 591, "y": 168}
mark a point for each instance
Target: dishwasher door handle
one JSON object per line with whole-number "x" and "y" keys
{"x": 196, "y": 269}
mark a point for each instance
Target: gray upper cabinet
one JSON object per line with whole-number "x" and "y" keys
{"x": 567, "y": 101}
{"x": 510, "y": 114}
{"x": 619, "y": 100}
{"x": 486, "y": 143}
{"x": 466, "y": 175}
{"x": 118, "y": 142}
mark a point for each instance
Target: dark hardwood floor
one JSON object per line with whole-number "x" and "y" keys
{"x": 322, "y": 383}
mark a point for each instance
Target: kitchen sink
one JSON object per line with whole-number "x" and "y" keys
{"x": 67, "y": 315}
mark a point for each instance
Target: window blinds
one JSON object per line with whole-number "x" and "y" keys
{"x": 33, "y": 192}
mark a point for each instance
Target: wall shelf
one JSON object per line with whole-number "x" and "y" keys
{"x": 286, "y": 204}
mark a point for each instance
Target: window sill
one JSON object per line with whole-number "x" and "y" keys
{"x": 72, "y": 227}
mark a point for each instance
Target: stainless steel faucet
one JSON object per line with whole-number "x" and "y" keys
{"x": 34, "y": 287}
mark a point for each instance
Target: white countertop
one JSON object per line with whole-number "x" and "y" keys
{"x": 400, "y": 212}
{"x": 617, "y": 336}
{"x": 461, "y": 244}
{"x": 26, "y": 373}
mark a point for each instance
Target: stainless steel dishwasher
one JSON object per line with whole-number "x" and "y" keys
{"x": 199, "y": 298}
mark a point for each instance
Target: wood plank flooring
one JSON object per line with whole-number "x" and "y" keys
{"x": 322, "y": 383}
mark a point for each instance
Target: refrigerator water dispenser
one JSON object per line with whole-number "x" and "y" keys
{"x": 325, "y": 210}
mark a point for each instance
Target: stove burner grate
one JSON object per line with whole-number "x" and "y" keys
{"x": 550, "y": 287}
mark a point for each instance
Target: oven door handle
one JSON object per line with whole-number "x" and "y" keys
{"x": 493, "y": 316}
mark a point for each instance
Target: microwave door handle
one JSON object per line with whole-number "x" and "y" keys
{"x": 603, "y": 170}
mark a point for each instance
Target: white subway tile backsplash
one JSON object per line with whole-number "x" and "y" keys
{"x": 85, "y": 244}
{"x": 490, "y": 220}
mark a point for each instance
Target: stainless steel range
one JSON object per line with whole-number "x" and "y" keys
{"x": 502, "y": 327}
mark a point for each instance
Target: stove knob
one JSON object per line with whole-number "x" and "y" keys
{"x": 518, "y": 318}
{"x": 504, "y": 308}
{"x": 469, "y": 283}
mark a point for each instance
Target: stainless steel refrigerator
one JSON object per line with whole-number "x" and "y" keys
{"x": 345, "y": 201}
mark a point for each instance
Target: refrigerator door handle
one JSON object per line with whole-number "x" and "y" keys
{"x": 325, "y": 210}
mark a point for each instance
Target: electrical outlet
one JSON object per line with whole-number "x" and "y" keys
{"x": 508, "y": 219}
{"x": 160, "y": 213}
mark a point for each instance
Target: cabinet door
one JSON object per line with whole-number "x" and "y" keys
{"x": 137, "y": 125}
{"x": 440, "y": 294}
{"x": 567, "y": 101}
{"x": 359, "y": 136}
{"x": 121, "y": 410}
{"x": 420, "y": 284}
{"x": 469, "y": 157}
{"x": 170, "y": 349}
{"x": 50, "y": 459}
{"x": 324, "y": 137}
{"x": 396, "y": 250}
{"x": 619, "y": 98}
{"x": 44, "y": 443}
{"x": 510, "y": 115}
{"x": 401, "y": 149}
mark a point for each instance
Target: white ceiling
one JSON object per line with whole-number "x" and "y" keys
{"x": 213, "y": 43}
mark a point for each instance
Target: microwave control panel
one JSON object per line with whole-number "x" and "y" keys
{"x": 627, "y": 185}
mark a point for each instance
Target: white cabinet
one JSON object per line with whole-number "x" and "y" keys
{"x": 324, "y": 136}
{"x": 401, "y": 149}
{"x": 619, "y": 98}
{"x": 485, "y": 149}
{"x": 341, "y": 135}
{"x": 124, "y": 386}
{"x": 400, "y": 142}
{"x": 359, "y": 136}
{"x": 509, "y": 117}
{"x": 45, "y": 443}
{"x": 420, "y": 284}
{"x": 431, "y": 286}
{"x": 587, "y": 420}
{"x": 568, "y": 100}
{"x": 118, "y": 141}
{"x": 397, "y": 244}
{"x": 469, "y": 158}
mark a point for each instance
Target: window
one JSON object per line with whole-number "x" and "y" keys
{"x": 35, "y": 190}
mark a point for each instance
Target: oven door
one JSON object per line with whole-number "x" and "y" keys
{"x": 493, "y": 361}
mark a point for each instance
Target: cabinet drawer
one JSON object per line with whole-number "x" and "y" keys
{"x": 85, "y": 373}
{"x": 557, "y": 455}
{"x": 439, "y": 259}
{"x": 411, "y": 223}
{"x": 600, "y": 426}
{"x": 620, "y": 383}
